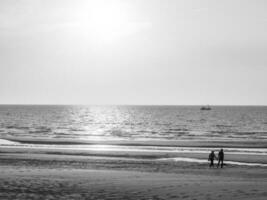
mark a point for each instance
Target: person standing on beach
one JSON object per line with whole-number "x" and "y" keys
{"x": 220, "y": 158}
{"x": 211, "y": 158}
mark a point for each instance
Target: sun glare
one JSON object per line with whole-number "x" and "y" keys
{"x": 106, "y": 22}
{"x": 109, "y": 21}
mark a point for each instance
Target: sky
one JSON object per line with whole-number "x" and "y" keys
{"x": 159, "y": 52}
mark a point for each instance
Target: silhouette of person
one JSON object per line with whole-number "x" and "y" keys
{"x": 220, "y": 158}
{"x": 211, "y": 158}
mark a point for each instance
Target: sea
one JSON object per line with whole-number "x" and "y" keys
{"x": 37, "y": 123}
{"x": 133, "y": 122}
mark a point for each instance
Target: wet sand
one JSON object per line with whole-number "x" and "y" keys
{"x": 51, "y": 176}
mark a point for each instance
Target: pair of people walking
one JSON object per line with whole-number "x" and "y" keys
{"x": 220, "y": 158}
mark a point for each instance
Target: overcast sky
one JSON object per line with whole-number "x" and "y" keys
{"x": 133, "y": 52}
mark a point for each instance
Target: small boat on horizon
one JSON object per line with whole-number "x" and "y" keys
{"x": 205, "y": 108}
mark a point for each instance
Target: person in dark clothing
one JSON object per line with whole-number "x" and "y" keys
{"x": 220, "y": 158}
{"x": 211, "y": 158}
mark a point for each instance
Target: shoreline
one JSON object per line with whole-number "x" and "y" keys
{"x": 233, "y": 159}
{"x": 42, "y": 176}
{"x": 243, "y": 155}
{"x": 119, "y": 170}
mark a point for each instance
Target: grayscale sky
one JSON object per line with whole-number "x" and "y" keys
{"x": 133, "y": 52}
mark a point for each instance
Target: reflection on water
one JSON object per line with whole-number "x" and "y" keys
{"x": 133, "y": 122}
{"x": 195, "y": 160}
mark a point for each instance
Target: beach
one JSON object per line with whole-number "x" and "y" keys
{"x": 40, "y": 174}
{"x": 132, "y": 152}
{"x": 133, "y": 100}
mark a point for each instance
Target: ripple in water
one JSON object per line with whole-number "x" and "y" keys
{"x": 134, "y": 122}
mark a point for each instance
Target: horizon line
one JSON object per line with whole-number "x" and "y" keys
{"x": 36, "y": 104}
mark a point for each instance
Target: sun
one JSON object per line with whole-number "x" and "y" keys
{"x": 106, "y": 22}
{"x": 109, "y": 22}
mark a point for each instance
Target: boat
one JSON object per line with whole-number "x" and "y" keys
{"x": 205, "y": 108}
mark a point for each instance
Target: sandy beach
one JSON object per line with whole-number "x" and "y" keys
{"x": 50, "y": 176}
{"x": 133, "y": 100}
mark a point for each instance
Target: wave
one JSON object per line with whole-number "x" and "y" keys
{"x": 17, "y": 127}
{"x": 129, "y": 146}
{"x": 40, "y": 131}
{"x": 6, "y": 142}
{"x": 179, "y": 129}
{"x": 224, "y": 126}
{"x": 157, "y": 142}
{"x": 77, "y": 129}
{"x": 175, "y": 134}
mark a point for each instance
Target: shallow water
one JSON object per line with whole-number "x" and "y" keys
{"x": 196, "y": 160}
{"x": 130, "y": 152}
